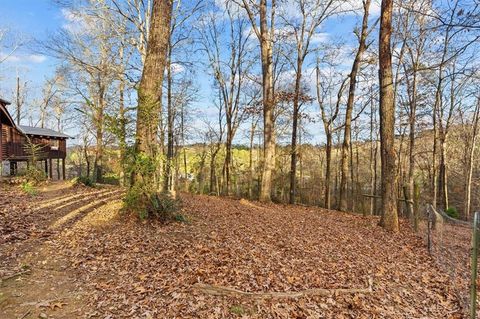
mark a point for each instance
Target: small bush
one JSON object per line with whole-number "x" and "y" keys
{"x": 452, "y": 212}
{"x": 28, "y": 188}
{"x": 111, "y": 179}
{"x": 158, "y": 205}
{"x": 35, "y": 175}
{"x": 83, "y": 180}
{"x": 180, "y": 218}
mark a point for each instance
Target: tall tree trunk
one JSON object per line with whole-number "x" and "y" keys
{"x": 19, "y": 101}
{"x": 389, "y": 219}
{"x": 350, "y": 103}
{"x": 412, "y": 123}
{"x": 372, "y": 178}
{"x": 150, "y": 88}
{"x": 442, "y": 172}
{"x": 293, "y": 151}
{"x": 213, "y": 177}
{"x": 99, "y": 119}
{"x": 228, "y": 159}
{"x": 168, "y": 178}
{"x": 87, "y": 160}
{"x": 372, "y": 155}
{"x": 468, "y": 179}
{"x": 328, "y": 163}
{"x": 375, "y": 178}
{"x": 200, "y": 176}
{"x": 123, "y": 132}
{"x": 122, "y": 122}
{"x": 437, "y": 120}
{"x": 250, "y": 162}
{"x": 266, "y": 43}
{"x": 184, "y": 147}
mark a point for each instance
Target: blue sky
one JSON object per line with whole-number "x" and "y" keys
{"x": 28, "y": 20}
{"x": 33, "y": 20}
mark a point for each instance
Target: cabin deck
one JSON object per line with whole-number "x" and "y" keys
{"x": 16, "y": 143}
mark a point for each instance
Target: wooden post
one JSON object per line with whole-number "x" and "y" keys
{"x": 58, "y": 168}
{"x": 473, "y": 279}
{"x": 50, "y": 172}
{"x": 12, "y": 168}
{"x": 46, "y": 168}
{"x": 63, "y": 168}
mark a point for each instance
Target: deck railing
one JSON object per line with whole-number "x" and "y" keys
{"x": 18, "y": 151}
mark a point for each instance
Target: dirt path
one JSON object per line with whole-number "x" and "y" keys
{"x": 93, "y": 262}
{"x": 37, "y": 281}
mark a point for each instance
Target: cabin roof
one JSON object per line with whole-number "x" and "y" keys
{"x": 27, "y": 130}
{"x": 38, "y": 131}
{"x": 4, "y": 115}
{"x": 4, "y": 101}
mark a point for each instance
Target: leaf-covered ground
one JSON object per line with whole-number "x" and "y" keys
{"x": 99, "y": 263}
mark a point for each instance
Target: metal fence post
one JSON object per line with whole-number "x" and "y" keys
{"x": 473, "y": 280}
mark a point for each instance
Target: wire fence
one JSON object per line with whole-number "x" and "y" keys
{"x": 453, "y": 244}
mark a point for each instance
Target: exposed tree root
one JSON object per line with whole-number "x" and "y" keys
{"x": 232, "y": 292}
{"x": 14, "y": 275}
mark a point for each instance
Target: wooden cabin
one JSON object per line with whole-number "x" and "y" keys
{"x": 14, "y": 147}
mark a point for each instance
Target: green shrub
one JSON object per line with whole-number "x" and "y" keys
{"x": 111, "y": 179}
{"x": 28, "y": 188}
{"x": 83, "y": 180}
{"x": 35, "y": 175}
{"x": 180, "y": 218}
{"x": 147, "y": 205}
{"x": 452, "y": 212}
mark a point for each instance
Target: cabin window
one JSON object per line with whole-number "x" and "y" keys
{"x": 54, "y": 145}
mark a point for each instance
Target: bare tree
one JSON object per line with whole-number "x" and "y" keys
{"x": 20, "y": 96}
{"x": 302, "y": 29}
{"x": 262, "y": 18}
{"x": 362, "y": 45}
{"x": 229, "y": 69}
{"x": 179, "y": 34}
{"x": 470, "y": 153}
{"x": 389, "y": 218}
{"x": 329, "y": 111}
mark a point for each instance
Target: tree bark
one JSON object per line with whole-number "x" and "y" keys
{"x": 328, "y": 162}
{"x": 389, "y": 218}
{"x": 122, "y": 122}
{"x": 412, "y": 123}
{"x": 265, "y": 37}
{"x": 350, "y": 103}
{"x": 168, "y": 177}
{"x": 99, "y": 119}
{"x": 442, "y": 173}
{"x": 150, "y": 88}
{"x": 268, "y": 122}
{"x": 296, "y": 109}
{"x": 373, "y": 155}
{"x": 468, "y": 180}
{"x": 250, "y": 162}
